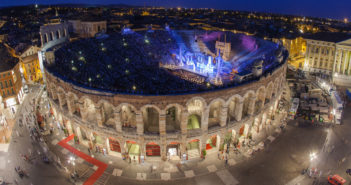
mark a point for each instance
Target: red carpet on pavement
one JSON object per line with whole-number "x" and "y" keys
{"x": 101, "y": 166}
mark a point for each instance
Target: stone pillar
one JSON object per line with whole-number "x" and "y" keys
{"x": 239, "y": 109}
{"x": 203, "y": 141}
{"x": 345, "y": 61}
{"x": 162, "y": 122}
{"x": 221, "y": 138}
{"x": 61, "y": 97}
{"x": 251, "y": 108}
{"x": 204, "y": 119}
{"x": 42, "y": 40}
{"x": 99, "y": 116}
{"x": 335, "y": 62}
{"x": 307, "y": 56}
{"x": 121, "y": 144}
{"x": 223, "y": 115}
{"x": 70, "y": 105}
{"x": 319, "y": 57}
{"x": 330, "y": 59}
{"x": 162, "y": 129}
{"x": 139, "y": 123}
{"x": 263, "y": 120}
{"x": 82, "y": 110}
{"x": 339, "y": 61}
{"x": 184, "y": 122}
{"x": 142, "y": 145}
{"x": 163, "y": 147}
{"x": 91, "y": 139}
{"x": 183, "y": 144}
{"x": 78, "y": 133}
{"x": 117, "y": 118}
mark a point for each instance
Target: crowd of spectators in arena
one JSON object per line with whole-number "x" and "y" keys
{"x": 125, "y": 63}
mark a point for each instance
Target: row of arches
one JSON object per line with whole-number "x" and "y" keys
{"x": 150, "y": 119}
{"x": 53, "y": 35}
{"x": 119, "y": 146}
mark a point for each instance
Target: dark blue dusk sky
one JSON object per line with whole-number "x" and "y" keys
{"x": 338, "y": 9}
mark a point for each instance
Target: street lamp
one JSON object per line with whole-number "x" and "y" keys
{"x": 313, "y": 156}
{"x": 71, "y": 161}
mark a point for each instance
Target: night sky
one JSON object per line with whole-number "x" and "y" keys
{"x": 337, "y": 9}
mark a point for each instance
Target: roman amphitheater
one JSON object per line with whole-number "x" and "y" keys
{"x": 172, "y": 99}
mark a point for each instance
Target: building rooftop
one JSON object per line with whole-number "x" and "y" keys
{"x": 329, "y": 36}
{"x": 7, "y": 61}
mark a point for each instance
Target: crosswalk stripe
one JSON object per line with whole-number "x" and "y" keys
{"x": 226, "y": 177}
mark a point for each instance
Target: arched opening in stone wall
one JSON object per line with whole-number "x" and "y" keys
{"x": 133, "y": 149}
{"x": 128, "y": 118}
{"x": 212, "y": 142}
{"x": 50, "y": 37}
{"x": 243, "y": 134}
{"x": 151, "y": 120}
{"x": 173, "y": 151}
{"x": 172, "y": 119}
{"x": 72, "y": 101}
{"x": 248, "y": 97}
{"x": 99, "y": 143}
{"x": 275, "y": 88}
{"x": 260, "y": 99}
{"x": 45, "y": 36}
{"x": 114, "y": 145}
{"x": 152, "y": 149}
{"x": 194, "y": 122}
{"x": 88, "y": 111}
{"x": 84, "y": 139}
{"x": 269, "y": 92}
{"x": 107, "y": 115}
{"x": 214, "y": 114}
{"x": 57, "y": 34}
{"x": 230, "y": 138}
{"x": 195, "y": 108}
{"x": 233, "y": 102}
{"x": 193, "y": 148}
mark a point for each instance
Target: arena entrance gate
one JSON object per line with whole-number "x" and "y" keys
{"x": 153, "y": 149}
{"x": 173, "y": 151}
{"x": 211, "y": 142}
{"x": 193, "y": 148}
{"x": 133, "y": 150}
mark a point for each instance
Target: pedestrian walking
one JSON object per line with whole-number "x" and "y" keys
{"x": 89, "y": 151}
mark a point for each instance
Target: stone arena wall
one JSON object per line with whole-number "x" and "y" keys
{"x": 114, "y": 122}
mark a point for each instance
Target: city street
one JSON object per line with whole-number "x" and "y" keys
{"x": 39, "y": 172}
